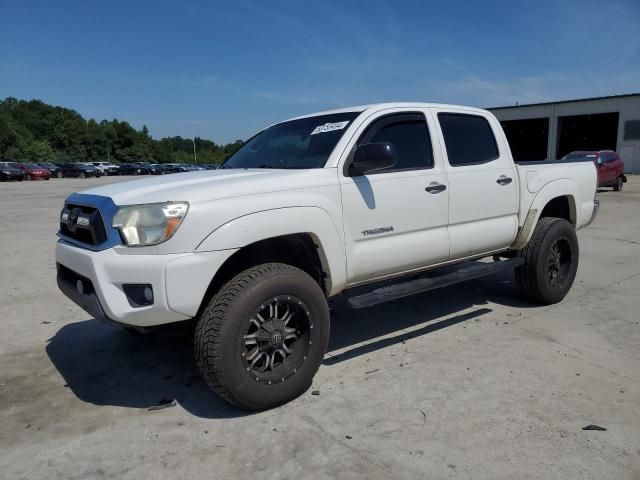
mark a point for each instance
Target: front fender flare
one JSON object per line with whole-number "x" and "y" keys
{"x": 314, "y": 221}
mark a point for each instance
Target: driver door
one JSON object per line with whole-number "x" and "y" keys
{"x": 395, "y": 220}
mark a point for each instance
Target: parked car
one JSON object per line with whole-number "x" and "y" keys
{"x": 34, "y": 172}
{"x": 174, "y": 168}
{"x": 149, "y": 168}
{"x": 191, "y": 167}
{"x": 106, "y": 168}
{"x": 10, "y": 171}
{"x": 52, "y": 167}
{"x": 609, "y": 165}
{"x": 253, "y": 250}
{"x": 161, "y": 167}
{"x": 131, "y": 169}
{"x": 79, "y": 170}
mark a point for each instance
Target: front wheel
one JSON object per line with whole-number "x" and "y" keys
{"x": 618, "y": 185}
{"x": 261, "y": 339}
{"x": 59, "y": 174}
{"x": 550, "y": 261}
{"x": 82, "y": 175}
{"x": 28, "y": 177}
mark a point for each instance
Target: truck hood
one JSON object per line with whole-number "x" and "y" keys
{"x": 204, "y": 186}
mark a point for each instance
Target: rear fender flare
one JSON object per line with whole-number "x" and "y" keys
{"x": 554, "y": 189}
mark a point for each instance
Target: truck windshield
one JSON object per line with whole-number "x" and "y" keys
{"x": 303, "y": 143}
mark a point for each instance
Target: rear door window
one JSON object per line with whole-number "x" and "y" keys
{"x": 469, "y": 139}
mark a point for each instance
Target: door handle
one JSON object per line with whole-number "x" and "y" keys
{"x": 435, "y": 187}
{"x": 504, "y": 180}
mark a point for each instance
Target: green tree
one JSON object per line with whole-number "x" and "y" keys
{"x": 39, "y": 151}
{"x": 34, "y": 130}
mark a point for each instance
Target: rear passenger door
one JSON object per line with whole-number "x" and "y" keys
{"x": 483, "y": 183}
{"x": 395, "y": 220}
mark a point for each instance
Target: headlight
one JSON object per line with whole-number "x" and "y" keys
{"x": 149, "y": 224}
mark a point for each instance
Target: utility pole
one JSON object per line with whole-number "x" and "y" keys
{"x": 193, "y": 130}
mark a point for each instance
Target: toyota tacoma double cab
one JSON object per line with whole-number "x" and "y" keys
{"x": 369, "y": 202}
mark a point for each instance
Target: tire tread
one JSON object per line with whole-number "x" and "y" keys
{"x": 527, "y": 275}
{"x": 207, "y": 342}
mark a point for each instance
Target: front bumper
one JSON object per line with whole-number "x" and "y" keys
{"x": 179, "y": 282}
{"x": 13, "y": 175}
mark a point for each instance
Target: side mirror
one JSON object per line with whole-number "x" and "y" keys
{"x": 371, "y": 157}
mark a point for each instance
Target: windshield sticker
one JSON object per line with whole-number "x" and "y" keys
{"x": 329, "y": 127}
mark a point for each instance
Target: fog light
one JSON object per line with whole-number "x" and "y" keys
{"x": 80, "y": 287}
{"x": 148, "y": 294}
{"x": 138, "y": 295}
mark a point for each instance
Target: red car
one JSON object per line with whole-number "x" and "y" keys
{"x": 32, "y": 171}
{"x": 609, "y": 165}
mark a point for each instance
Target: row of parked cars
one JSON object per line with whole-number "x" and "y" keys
{"x": 46, "y": 170}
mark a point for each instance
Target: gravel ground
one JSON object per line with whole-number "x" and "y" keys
{"x": 466, "y": 382}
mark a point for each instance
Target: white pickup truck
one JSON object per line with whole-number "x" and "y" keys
{"x": 378, "y": 196}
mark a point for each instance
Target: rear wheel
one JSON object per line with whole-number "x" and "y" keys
{"x": 551, "y": 262}
{"x": 618, "y": 185}
{"x": 28, "y": 177}
{"x": 59, "y": 174}
{"x": 261, "y": 339}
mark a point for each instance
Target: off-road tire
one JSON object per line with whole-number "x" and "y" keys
{"x": 533, "y": 278}
{"x": 219, "y": 335}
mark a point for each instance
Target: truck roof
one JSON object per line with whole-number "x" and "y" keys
{"x": 385, "y": 105}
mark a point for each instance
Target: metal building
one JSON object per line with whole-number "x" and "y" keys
{"x": 551, "y": 130}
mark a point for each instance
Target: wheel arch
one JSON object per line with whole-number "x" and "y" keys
{"x": 304, "y": 237}
{"x": 557, "y": 200}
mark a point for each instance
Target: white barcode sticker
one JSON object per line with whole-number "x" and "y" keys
{"x": 329, "y": 127}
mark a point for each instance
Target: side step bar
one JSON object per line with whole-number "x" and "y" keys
{"x": 468, "y": 271}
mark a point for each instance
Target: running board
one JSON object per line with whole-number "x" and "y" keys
{"x": 468, "y": 271}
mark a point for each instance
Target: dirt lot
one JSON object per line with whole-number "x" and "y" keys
{"x": 464, "y": 382}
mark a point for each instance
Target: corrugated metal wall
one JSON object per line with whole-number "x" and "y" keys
{"x": 628, "y": 108}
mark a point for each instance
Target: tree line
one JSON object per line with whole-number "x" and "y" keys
{"x": 33, "y": 131}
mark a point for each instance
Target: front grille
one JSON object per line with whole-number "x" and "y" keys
{"x": 82, "y": 224}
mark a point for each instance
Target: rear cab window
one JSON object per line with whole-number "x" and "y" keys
{"x": 468, "y": 138}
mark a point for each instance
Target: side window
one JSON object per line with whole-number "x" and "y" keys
{"x": 409, "y": 135}
{"x": 468, "y": 138}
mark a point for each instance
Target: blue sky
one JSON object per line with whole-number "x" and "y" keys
{"x": 228, "y": 68}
